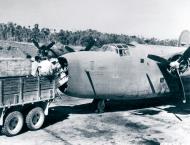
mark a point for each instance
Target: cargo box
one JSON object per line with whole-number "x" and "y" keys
{"x": 14, "y": 67}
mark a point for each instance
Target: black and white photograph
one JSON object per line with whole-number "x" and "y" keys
{"x": 94, "y": 72}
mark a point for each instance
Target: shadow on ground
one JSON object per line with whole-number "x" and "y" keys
{"x": 173, "y": 106}
{"x": 144, "y": 107}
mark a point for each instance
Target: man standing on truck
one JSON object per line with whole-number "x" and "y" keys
{"x": 45, "y": 67}
{"x": 35, "y": 65}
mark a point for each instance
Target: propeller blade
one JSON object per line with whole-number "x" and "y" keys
{"x": 54, "y": 53}
{"x": 69, "y": 49}
{"x": 36, "y": 43}
{"x": 89, "y": 46}
{"x": 185, "y": 55}
{"x": 184, "y": 99}
{"x": 50, "y": 45}
{"x": 158, "y": 59}
{"x": 129, "y": 44}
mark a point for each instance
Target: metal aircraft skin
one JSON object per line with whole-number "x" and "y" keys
{"x": 119, "y": 71}
{"x": 129, "y": 75}
{"x": 128, "y": 71}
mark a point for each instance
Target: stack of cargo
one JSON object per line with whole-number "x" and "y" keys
{"x": 15, "y": 67}
{"x": 13, "y": 62}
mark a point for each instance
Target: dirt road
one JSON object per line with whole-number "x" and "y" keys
{"x": 72, "y": 122}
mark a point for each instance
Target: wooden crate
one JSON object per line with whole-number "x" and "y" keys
{"x": 14, "y": 67}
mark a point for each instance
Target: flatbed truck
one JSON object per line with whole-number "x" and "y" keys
{"x": 24, "y": 100}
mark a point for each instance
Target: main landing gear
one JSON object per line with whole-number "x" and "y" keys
{"x": 99, "y": 105}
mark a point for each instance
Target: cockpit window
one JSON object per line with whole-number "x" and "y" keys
{"x": 120, "y": 49}
{"x": 119, "y": 46}
{"x": 108, "y": 48}
{"x": 104, "y": 48}
{"x": 122, "y": 52}
{"x": 125, "y": 46}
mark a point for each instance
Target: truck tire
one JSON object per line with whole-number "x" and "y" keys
{"x": 35, "y": 118}
{"x": 13, "y": 123}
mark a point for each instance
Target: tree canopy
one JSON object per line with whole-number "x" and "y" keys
{"x": 15, "y": 32}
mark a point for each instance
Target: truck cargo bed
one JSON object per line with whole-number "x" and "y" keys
{"x": 25, "y": 89}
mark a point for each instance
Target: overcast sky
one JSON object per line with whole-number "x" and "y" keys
{"x": 148, "y": 18}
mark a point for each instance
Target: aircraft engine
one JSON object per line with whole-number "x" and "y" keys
{"x": 183, "y": 65}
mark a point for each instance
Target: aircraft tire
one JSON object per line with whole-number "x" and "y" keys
{"x": 99, "y": 104}
{"x": 35, "y": 118}
{"x": 13, "y": 123}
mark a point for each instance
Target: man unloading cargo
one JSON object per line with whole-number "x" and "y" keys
{"x": 45, "y": 67}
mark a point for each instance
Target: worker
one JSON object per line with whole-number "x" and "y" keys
{"x": 35, "y": 64}
{"x": 45, "y": 67}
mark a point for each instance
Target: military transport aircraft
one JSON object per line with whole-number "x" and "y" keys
{"x": 127, "y": 71}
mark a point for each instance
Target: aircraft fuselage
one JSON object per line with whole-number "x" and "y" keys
{"x": 130, "y": 76}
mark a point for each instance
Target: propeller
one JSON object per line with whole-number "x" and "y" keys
{"x": 184, "y": 99}
{"x": 90, "y": 44}
{"x": 69, "y": 49}
{"x": 55, "y": 54}
{"x": 87, "y": 48}
{"x": 50, "y": 45}
{"x": 183, "y": 62}
{"x": 43, "y": 50}
{"x": 159, "y": 59}
{"x": 36, "y": 43}
{"x": 185, "y": 55}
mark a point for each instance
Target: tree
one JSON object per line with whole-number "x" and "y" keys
{"x": 36, "y": 33}
{"x": 16, "y": 32}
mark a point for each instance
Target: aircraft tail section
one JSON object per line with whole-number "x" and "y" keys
{"x": 184, "y": 38}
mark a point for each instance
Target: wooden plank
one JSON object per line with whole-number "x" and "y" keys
{"x": 45, "y": 94}
{"x": 10, "y": 92}
{"x": 11, "y": 86}
{"x": 30, "y": 96}
{"x": 39, "y": 88}
{"x": 11, "y": 99}
{"x": 30, "y": 84}
{"x": 46, "y": 87}
{"x": 21, "y": 90}
{"x": 54, "y": 88}
{"x": 30, "y": 87}
{"x": 1, "y": 92}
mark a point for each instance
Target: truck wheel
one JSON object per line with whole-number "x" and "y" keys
{"x": 35, "y": 118}
{"x": 13, "y": 123}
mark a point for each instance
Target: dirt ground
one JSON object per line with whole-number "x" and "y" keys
{"x": 71, "y": 121}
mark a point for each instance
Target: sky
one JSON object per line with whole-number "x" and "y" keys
{"x": 148, "y": 18}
